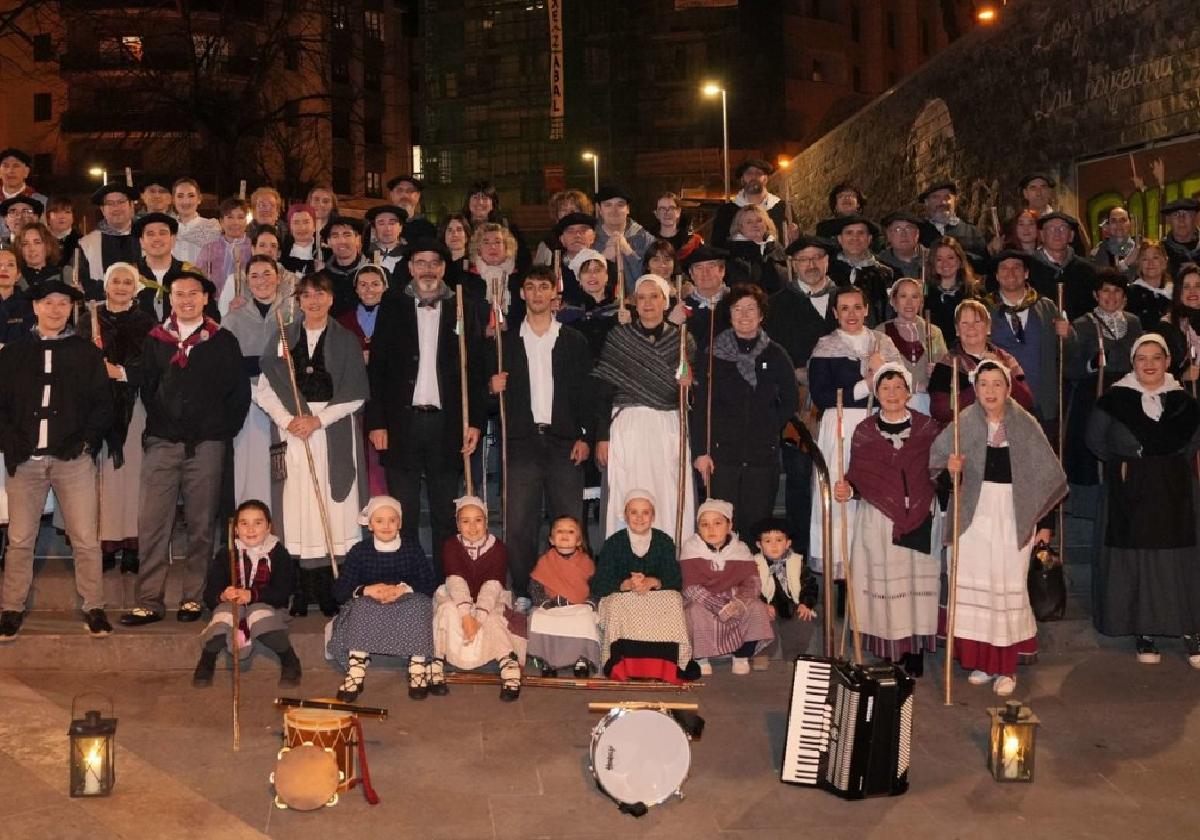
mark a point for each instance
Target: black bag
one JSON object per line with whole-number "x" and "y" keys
{"x": 1047, "y": 585}
{"x": 279, "y": 461}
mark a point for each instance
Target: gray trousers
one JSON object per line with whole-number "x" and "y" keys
{"x": 74, "y": 485}
{"x": 168, "y": 474}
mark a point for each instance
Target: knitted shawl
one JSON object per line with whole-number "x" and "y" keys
{"x": 642, "y": 371}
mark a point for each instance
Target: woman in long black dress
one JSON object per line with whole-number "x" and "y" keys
{"x": 1146, "y": 578}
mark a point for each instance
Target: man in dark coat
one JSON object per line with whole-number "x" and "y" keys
{"x": 941, "y": 203}
{"x": 1183, "y": 240}
{"x": 752, "y": 174}
{"x": 1056, "y": 262}
{"x": 855, "y": 265}
{"x": 414, "y": 416}
{"x": 55, "y": 407}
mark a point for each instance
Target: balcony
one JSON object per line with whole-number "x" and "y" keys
{"x": 98, "y": 120}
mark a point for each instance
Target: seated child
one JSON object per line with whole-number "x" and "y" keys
{"x": 474, "y": 623}
{"x": 789, "y": 586}
{"x": 562, "y": 626}
{"x": 721, "y": 592}
{"x": 637, "y": 587}
{"x": 266, "y": 576}
{"x": 384, "y": 588}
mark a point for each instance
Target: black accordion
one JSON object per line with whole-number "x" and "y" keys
{"x": 849, "y": 728}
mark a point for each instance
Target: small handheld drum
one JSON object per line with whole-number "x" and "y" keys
{"x": 327, "y": 729}
{"x": 306, "y": 778}
{"x": 639, "y": 757}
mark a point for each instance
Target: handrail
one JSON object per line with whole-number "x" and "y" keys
{"x": 826, "y": 489}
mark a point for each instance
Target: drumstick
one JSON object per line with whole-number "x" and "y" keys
{"x": 233, "y": 636}
{"x": 952, "y": 572}
{"x": 1062, "y": 426}
{"x": 330, "y": 705}
{"x": 633, "y": 704}
{"x": 460, "y": 329}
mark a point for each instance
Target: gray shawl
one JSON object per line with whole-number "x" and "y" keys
{"x": 1035, "y": 469}
{"x": 344, "y": 361}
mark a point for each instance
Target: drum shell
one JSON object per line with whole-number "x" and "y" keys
{"x": 325, "y": 728}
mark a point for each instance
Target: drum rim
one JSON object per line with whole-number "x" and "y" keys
{"x": 608, "y": 720}
{"x": 337, "y": 774}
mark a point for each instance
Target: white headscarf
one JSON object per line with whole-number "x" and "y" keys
{"x": 1151, "y": 400}
{"x": 377, "y": 502}
{"x": 585, "y": 255}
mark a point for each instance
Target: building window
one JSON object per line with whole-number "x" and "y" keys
{"x": 416, "y": 161}
{"x": 341, "y": 120}
{"x": 41, "y": 107}
{"x": 372, "y": 79}
{"x": 375, "y": 184}
{"x": 341, "y": 180}
{"x": 373, "y": 130}
{"x": 445, "y": 173}
{"x": 121, "y": 50}
{"x": 857, "y": 80}
{"x": 43, "y": 47}
{"x": 451, "y": 88}
{"x": 818, "y": 71}
{"x": 339, "y": 13}
{"x": 340, "y": 68}
{"x": 212, "y": 51}
{"x": 373, "y": 25}
{"x": 43, "y": 164}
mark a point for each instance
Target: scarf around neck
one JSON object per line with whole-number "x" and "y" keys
{"x": 477, "y": 548}
{"x": 565, "y": 577}
{"x": 726, "y": 348}
{"x": 256, "y": 554}
{"x": 1151, "y": 400}
{"x": 1031, "y": 297}
{"x": 168, "y": 333}
{"x": 1114, "y": 323}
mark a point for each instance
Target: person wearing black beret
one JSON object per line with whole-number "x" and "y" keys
{"x": 706, "y": 270}
{"x": 845, "y": 199}
{"x": 158, "y": 267}
{"x": 344, "y": 238}
{"x": 155, "y": 192}
{"x": 855, "y": 265}
{"x": 55, "y": 407}
{"x": 482, "y": 205}
{"x": 404, "y": 191}
{"x": 941, "y": 219}
{"x": 1056, "y": 261}
{"x": 904, "y": 254}
{"x": 613, "y": 223}
{"x": 386, "y": 225}
{"x": 19, "y": 211}
{"x": 572, "y": 233}
{"x": 1183, "y": 240}
{"x": 752, "y": 175}
{"x": 112, "y": 240}
{"x": 1037, "y": 191}
{"x": 14, "y": 172}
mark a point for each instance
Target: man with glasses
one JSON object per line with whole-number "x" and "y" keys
{"x": 1183, "y": 240}
{"x": 414, "y": 414}
{"x": 14, "y": 172}
{"x": 112, "y": 240}
{"x": 18, "y": 212}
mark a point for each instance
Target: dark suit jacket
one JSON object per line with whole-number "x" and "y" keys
{"x": 571, "y": 362}
{"x": 395, "y": 358}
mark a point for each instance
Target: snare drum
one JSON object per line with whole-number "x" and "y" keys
{"x": 640, "y": 756}
{"x": 330, "y": 730}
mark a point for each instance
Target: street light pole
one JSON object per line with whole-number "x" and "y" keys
{"x": 712, "y": 89}
{"x": 595, "y": 159}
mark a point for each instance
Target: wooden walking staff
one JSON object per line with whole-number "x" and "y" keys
{"x": 681, "y": 374}
{"x": 234, "y": 638}
{"x": 844, "y": 542}
{"x": 712, "y": 320}
{"x": 286, "y": 353}
{"x": 558, "y": 281}
{"x": 620, "y": 272}
{"x": 460, "y": 330}
{"x": 1062, "y": 425}
{"x": 1102, "y": 361}
{"x": 952, "y": 571}
{"x": 500, "y": 285}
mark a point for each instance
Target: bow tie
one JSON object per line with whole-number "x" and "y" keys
{"x": 428, "y": 304}
{"x": 823, "y": 293}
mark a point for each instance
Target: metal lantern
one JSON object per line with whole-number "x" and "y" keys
{"x": 92, "y": 752}
{"x": 1014, "y": 736}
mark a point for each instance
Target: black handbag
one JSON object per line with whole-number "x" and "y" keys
{"x": 1047, "y": 584}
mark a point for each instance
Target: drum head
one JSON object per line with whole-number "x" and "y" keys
{"x": 639, "y": 755}
{"x": 306, "y": 777}
{"x": 317, "y": 720}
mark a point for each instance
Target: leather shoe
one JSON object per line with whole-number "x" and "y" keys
{"x": 138, "y": 617}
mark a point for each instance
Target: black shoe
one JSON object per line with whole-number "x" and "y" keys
{"x": 299, "y": 606}
{"x": 547, "y": 671}
{"x": 289, "y": 669}
{"x": 510, "y": 691}
{"x": 188, "y": 611}
{"x": 1147, "y": 651}
{"x": 583, "y": 669}
{"x": 346, "y": 695}
{"x": 691, "y": 672}
{"x": 202, "y": 677}
{"x": 139, "y": 616}
{"x": 437, "y": 678}
{"x": 322, "y": 585}
{"x": 913, "y": 664}
{"x": 97, "y": 623}
{"x": 108, "y": 561}
{"x": 129, "y": 562}
{"x": 10, "y": 625}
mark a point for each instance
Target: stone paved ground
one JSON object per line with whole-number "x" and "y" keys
{"x": 1117, "y": 758}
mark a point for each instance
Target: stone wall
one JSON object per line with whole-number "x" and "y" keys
{"x": 1052, "y": 85}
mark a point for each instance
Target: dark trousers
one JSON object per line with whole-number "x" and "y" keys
{"x": 751, "y": 491}
{"x": 427, "y": 460}
{"x": 539, "y": 469}
{"x": 798, "y": 497}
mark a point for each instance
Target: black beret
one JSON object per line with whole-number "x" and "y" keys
{"x": 190, "y": 272}
{"x": 560, "y": 227}
{"x": 54, "y": 286}
{"x": 704, "y": 253}
{"x": 802, "y": 242}
{"x": 901, "y": 216}
{"x": 608, "y": 191}
{"x": 155, "y": 181}
{"x": 756, "y": 163}
{"x": 1012, "y": 254}
{"x": 935, "y": 186}
{"x": 400, "y": 179}
{"x": 99, "y": 195}
{"x": 840, "y": 223}
{"x": 435, "y": 245}
{"x": 19, "y": 154}
{"x": 139, "y": 224}
{"x": 1189, "y": 204}
{"x": 28, "y": 201}
{"x": 764, "y": 526}
{"x": 399, "y": 212}
{"x": 355, "y": 225}
{"x": 1033, "y": 176}
{"x": 1056, "y": 216}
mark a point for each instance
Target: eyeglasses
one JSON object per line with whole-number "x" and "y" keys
{"x": 116, "y": 202}
{"x": 425, "y": 263}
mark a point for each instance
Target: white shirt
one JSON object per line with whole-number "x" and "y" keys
{"x": 429, "y": 321}
{"x": 539, "y": 350}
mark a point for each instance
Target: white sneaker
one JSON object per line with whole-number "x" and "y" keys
{"x": 523, "y": 605}
{"x": 979, "y": 678}
{"x": 741, "y": 665}
{"x": 705, "y": 667}
{"x": 1005, "y": 686}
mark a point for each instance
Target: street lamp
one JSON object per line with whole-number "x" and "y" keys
{"x": 99, "y": 172}
{"x": 595, "y": 159}
{"x": 711, "y": 90}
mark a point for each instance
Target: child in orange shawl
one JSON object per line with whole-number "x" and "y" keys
{"x": 563, "y": 632}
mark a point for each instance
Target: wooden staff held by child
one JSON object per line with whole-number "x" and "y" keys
{"x": 234, "y": 634}
{"x": 952, "y": 571}
{"x": 460, "y": 330}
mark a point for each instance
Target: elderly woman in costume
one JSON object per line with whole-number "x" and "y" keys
{"x": 844, "y": 361}
{"x": 638, "y": 410}
{"x": 592, "y": 308}
{"x": 1146, "y": 579}
{"x": 563, "y": 632}
{"x": 894, "y": 573}
{"x": 266, "y": 575}
{"x": 123, "y": 331}
{"x": 1102, "y": 337}
{"x": 475, "y": 624}
{"x": 385, "y": 588}
{"x": 920, "y": 342}
{"x": 726, "y": 614}
{"x": 637, "y": 585}
{"x": 370, "y": 284}
{"x": 1002, "y": 448}
{"x": 255, "y": 324}
{"x": 973, "y": 324}
{"x": 493, "y": 253}
{"x": 332, "y": 384}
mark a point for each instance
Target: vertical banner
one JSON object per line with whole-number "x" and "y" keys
{"x": 557, "y": 109}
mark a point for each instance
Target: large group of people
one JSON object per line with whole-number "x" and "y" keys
{"x": 304, "y": 375}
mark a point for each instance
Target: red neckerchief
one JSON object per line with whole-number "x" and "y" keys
{"x": 168, "y": 333}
